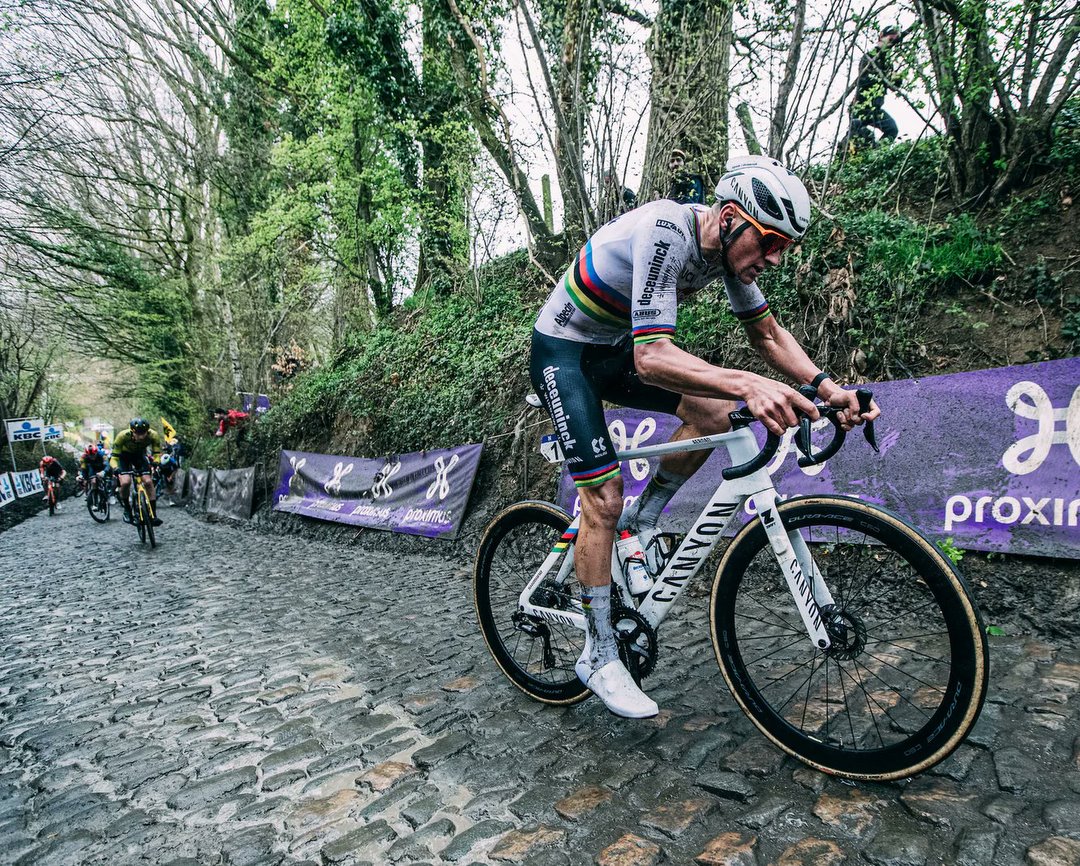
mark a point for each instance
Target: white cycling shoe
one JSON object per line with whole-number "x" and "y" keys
{"x": 613, "y": 684}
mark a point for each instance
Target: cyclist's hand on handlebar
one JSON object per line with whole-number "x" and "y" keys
{"x": 776, "y": 405}
{"x": 848, "y": 404}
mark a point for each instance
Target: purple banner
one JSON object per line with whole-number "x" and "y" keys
{"x": 989, "y": 458}
{"x": 259, "y": 402}
{"x": 423, "y": 493}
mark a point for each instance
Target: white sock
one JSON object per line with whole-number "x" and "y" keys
{"x": 599, "y": 636}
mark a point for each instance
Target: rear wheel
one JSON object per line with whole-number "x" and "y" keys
{"x": 905, "y": 676}
{"x": 538, "y": 656}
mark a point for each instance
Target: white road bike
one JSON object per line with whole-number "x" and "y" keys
{"x": 847, "y": 637}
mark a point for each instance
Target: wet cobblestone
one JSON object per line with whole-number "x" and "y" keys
{"x": 234, "y": 698}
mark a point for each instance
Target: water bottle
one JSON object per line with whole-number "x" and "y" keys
{"x": 632, "y": 558}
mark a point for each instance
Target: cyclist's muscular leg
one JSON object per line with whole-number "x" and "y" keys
{"x": 700, "y": 416}
{"x": 600, "y": 509}
{"x": 599, "y": 666}
{"x": 151, "y": 491}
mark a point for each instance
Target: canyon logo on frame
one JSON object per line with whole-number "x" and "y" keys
{"x": 989, "y": 458}
{"x": 423, "y": 493}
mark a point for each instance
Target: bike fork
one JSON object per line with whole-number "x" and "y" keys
{"x": 804, "y": 578}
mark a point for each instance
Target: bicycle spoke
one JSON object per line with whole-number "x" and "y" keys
{"x": 776, "y": 651}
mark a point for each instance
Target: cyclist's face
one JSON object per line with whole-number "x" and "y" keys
{"x": 139, "y": 435}
{"x": 752, "y": 252}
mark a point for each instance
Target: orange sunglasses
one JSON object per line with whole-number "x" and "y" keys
{"x": 770, "y": 240}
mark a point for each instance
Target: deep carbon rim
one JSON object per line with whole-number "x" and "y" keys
{"x": 908, "y": 677}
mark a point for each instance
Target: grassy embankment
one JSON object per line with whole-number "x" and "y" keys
{"x": 895, "y": 280}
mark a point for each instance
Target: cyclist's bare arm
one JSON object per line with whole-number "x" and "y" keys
{"x": 782, "y": 352}
{"x": 664, "y": 364}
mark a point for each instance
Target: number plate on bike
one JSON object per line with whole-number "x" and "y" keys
{"x": 551, "y": 448}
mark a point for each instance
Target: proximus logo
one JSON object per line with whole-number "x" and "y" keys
{"x": 1028, "y": 400}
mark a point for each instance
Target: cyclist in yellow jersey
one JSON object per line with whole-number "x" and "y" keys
{"x": 129, "y": 457}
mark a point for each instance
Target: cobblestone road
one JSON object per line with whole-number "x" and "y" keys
{"x": 244, "y": 699}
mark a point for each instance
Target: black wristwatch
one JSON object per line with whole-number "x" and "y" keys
{"x": 815, "y": 383}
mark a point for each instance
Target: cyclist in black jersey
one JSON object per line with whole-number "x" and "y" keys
{"x": 607, "y": 333}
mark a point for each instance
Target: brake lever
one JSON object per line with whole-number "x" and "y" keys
{"x": 865, "y": 396}
{"x": 802, "y": 437}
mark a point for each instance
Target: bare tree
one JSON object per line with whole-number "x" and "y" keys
{"x": 999, "y": 75}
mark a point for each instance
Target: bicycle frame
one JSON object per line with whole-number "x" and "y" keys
{"x": 803, "y": 578}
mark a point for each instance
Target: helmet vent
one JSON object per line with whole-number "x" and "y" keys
{"x": 765, "y": 199}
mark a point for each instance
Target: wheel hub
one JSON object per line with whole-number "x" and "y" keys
{"x": 847, "y": 632}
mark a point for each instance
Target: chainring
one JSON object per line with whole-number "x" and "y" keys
{"x": 638, "y": 648}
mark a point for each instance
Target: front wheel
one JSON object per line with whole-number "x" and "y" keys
{"x": 537, "y": 655}
{"x": 137, "y": 515}
{"x": 97, "y": 503}
{"x": 905, "y": 677}
{"x": 51, "y": 494}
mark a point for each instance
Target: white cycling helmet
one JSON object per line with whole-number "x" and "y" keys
{"x": 767, "y": 191}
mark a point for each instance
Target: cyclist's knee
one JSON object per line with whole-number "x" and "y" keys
{"x": 705, "y": 416}
{"x": 601, "y": 505}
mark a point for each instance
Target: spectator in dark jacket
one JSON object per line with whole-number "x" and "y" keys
{"x": 875, "y": 77}
{"x": 686, "y": 187}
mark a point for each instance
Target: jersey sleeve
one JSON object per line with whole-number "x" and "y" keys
{"x": 747, "y": 302}
{"x": 660, "y": 247}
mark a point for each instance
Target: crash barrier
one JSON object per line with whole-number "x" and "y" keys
{"x": 990, "y": 459}
{"x": 422, "y": 493}
{"x": 224, "y": 492}
{"x": 19, "y": 485}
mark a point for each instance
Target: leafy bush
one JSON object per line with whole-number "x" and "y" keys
{"x": 450, "y": 367}
{"x": 1065, "y": 138}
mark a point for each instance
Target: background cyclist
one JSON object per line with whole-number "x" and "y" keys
{"x": 91, "y": 462}
{"x": 50, "y": 467}
{"x": 607, "y": 333}
{"x": 129, "y": 456}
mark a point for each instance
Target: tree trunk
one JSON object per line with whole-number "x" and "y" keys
{"x": 578, "y": 219}
{"x": 447, "y": 154}
{"x": 690, "y": 54}
{"x": 778, "y": 127}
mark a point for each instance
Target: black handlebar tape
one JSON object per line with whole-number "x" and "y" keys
{"x": 772, "y": 443}
{"x": 865, "y": 396}
{"x": 741, "y": 417}
{"x": 830, "y": 449}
